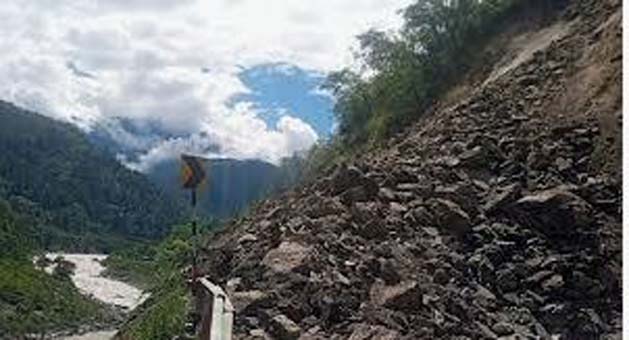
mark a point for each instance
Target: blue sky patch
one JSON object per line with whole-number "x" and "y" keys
{"x": 279, "y": 89}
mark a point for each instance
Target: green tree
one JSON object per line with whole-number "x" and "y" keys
{"x": 402, "y": 73}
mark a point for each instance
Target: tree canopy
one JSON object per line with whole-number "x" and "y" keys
{"x": 401, "y": 73}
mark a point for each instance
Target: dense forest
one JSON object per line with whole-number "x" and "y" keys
{"x": 74, "y": 193}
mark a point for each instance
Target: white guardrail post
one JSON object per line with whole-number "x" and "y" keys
{"x": 217, "y": 313}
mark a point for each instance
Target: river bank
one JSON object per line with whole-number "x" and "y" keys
{"x": 88, "y": 277}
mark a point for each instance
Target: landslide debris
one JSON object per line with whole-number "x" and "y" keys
{"x": 498, "y": 217}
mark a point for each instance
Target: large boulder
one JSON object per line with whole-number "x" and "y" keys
{"x": 351, "y": 185}
{"x": 554, "y": 212}
{"x": 286, "y": 257}
{"x": 249, "y": 299}
{"x": 450, "y": 217}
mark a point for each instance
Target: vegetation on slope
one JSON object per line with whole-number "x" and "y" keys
{"x": 158, "y": 268}
{"x": 74, "y": 192}
{"x": 401, "y": 74}
{"x": 32, "y": 301}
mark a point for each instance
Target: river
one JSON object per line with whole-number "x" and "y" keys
{"x": 88, "y": 279}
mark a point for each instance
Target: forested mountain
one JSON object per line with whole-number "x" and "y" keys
{"x": 76, "y": 194}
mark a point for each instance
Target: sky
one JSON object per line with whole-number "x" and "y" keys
{"x": 220, "y": 78}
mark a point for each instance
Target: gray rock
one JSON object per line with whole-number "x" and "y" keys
{"x": 502, "y": 197}
{"x": 485, "y": 331}
{"x": 450, "y": 217}
{"x": 502, "y": 328}
{"x": 284, "y": 328}
{"x": 554, "y": 212}
{"x": 287, "y": 257}
{"x": 403, "y": 296}
{"x": 247, "y": 238}
{"x": 242, "y": 300}
{"x": 369, "y": 332}
{"x": 553, "y": 283}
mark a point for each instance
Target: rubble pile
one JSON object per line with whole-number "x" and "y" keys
{"x": 494, "y": 218}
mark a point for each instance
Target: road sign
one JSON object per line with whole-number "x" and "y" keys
{"x": 192, "y": 171}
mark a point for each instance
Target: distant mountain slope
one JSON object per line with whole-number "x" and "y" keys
{"x": 31, "y": 301}
{"x": 78, "y": 192}
{"x": 231, "y": 186}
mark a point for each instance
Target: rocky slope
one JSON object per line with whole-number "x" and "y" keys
{"x": 496, "y": 216}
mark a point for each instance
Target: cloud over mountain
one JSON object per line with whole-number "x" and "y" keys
{"x": 176, "y": 66}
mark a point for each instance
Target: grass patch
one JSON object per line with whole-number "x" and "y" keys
{"x": 158, "y": 269}
{"x": 162, "y": 316}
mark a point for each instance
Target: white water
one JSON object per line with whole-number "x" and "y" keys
{"x": 88, "y": 279}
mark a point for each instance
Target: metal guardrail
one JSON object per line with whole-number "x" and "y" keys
{"x": 216, "y": 311}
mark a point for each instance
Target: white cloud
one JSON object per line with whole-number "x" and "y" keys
{"x": 144, "y": 60}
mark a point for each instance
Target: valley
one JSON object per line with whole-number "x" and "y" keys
{"x": 88, "y": 277}
{"x": 469, "y": 186}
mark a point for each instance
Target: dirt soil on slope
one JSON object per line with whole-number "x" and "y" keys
{"x": 496, "y": 217}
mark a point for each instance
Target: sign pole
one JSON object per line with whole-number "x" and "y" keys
{"x": 193, "y": 174}
{"x": 193, "y": 201}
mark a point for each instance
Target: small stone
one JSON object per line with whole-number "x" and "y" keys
{"x": 486, "y": 331}
{"x": 563, "y": 164}
{"x": 554, "y": 283}
{"x": 259, "y": 334}
{"x": 247, "y": 238}
{"x": 506, "y": 280}
{"x": 404, "y": 296}
{"x": 539, "y": 276}
{"x": 502, "y": 197}
{"x": 341, "y": 278}
{"x": 484, "y": 296}
{"x": 285, "y": 328}
{"x": 554, "y": 316}
{"x": 440, "y": 276}
{"x": 356, "y": 194}
{"x": 502, "y": 329}
{"x": 369, "y": 332}
{"x": 397, "y": 208}
{"x": 387, "y": 194}
{"x": 243, "y": 300}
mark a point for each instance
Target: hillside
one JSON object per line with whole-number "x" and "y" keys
{"x": 495, "y": 215}
{"x": 32, "y": 301}
{"x": 77, "y": 195}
